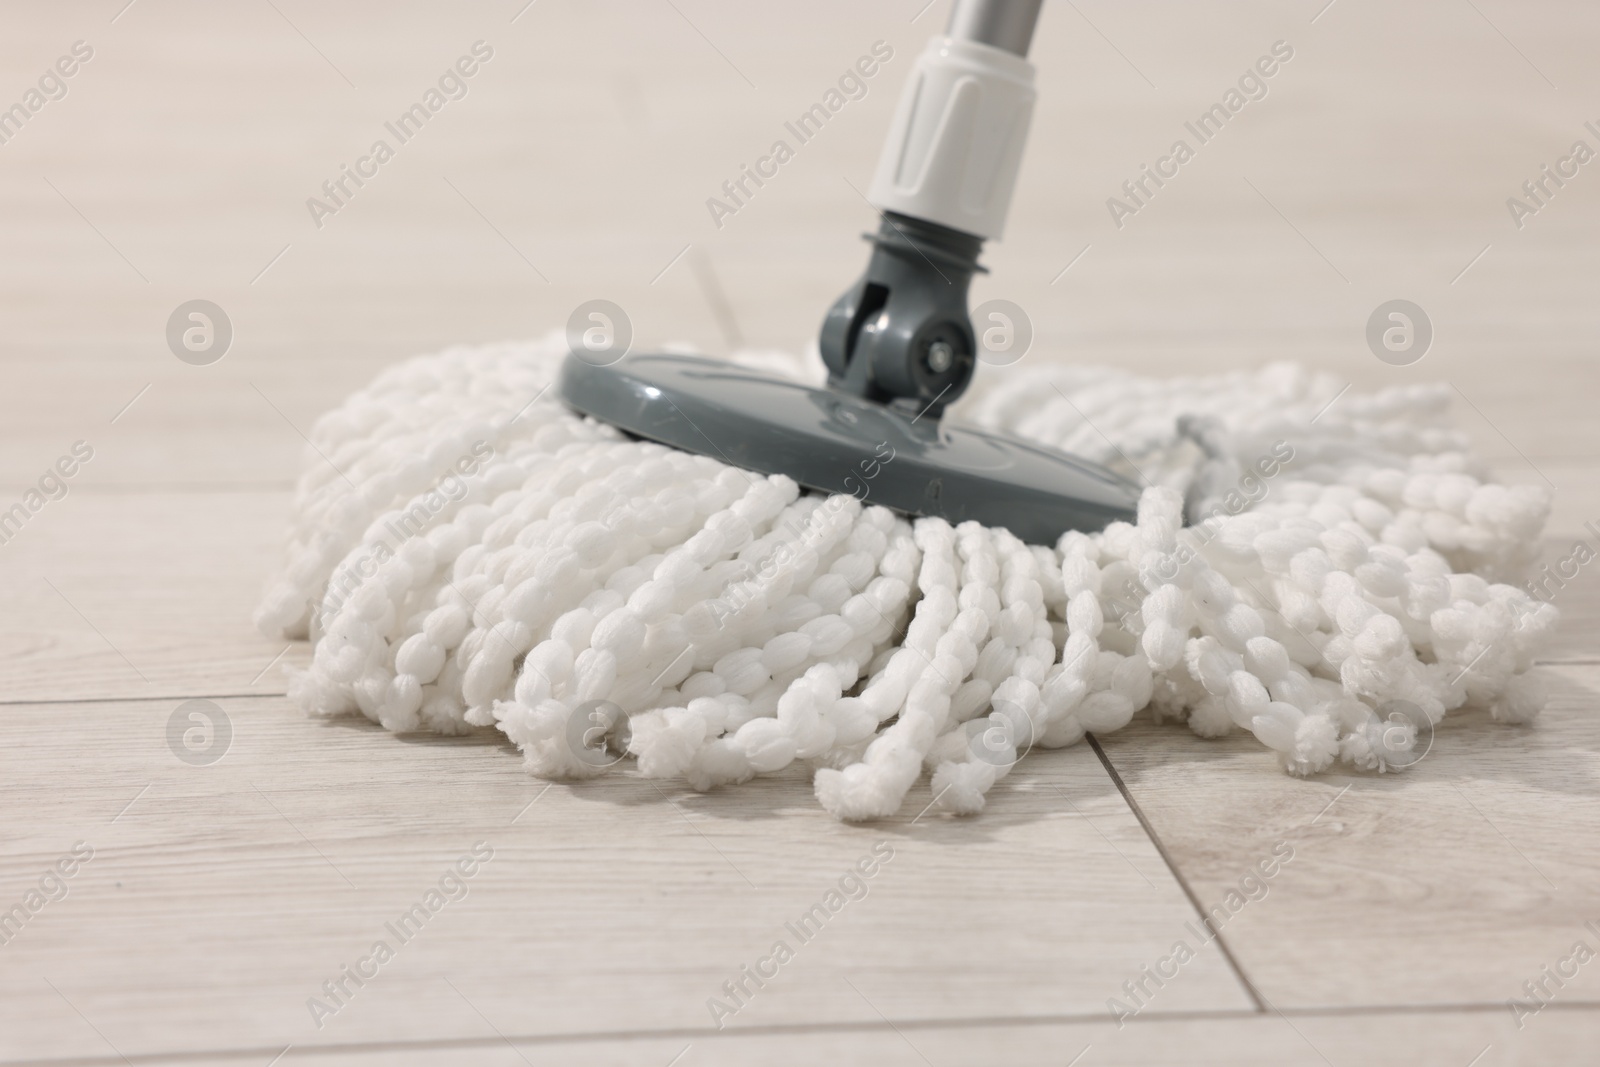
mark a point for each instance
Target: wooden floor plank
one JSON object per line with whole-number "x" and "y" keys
{"x": 142, "y": 595}
{"x": 219, "y": 898}
{"x": 1455, "y": 881}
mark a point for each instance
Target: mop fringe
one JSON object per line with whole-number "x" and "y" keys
{"x": 1326, "y": 570}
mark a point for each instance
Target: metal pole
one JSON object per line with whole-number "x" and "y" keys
{"x": 1004, "y": 24}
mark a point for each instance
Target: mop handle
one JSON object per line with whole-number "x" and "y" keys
{"x": 1003, "y": 24}
{"x": 955, "y": 146}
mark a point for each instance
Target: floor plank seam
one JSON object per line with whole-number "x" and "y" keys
{"x": 134, "y": 700}
{"x": 771, "y": 1030}
{"x": 1183, "y": 883}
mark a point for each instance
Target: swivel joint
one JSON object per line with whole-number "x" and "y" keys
{"x": 901, "y": 335}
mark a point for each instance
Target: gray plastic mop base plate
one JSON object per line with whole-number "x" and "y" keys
{"x": 836, "y": 442}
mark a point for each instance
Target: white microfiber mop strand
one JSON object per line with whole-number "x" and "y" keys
{"x": 466, "y": 553}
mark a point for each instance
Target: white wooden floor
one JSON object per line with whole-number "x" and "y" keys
{"x": 220, "y": 897}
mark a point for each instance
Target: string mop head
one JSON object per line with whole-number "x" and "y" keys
{"x": 1328, "y": 573}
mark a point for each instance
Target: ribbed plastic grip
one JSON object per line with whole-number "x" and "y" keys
{"x": 956, "y": 143}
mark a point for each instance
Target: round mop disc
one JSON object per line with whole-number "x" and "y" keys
{"x": 837, "y": 442}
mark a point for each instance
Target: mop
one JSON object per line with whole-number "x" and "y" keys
{"x": 690, "y": 568}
